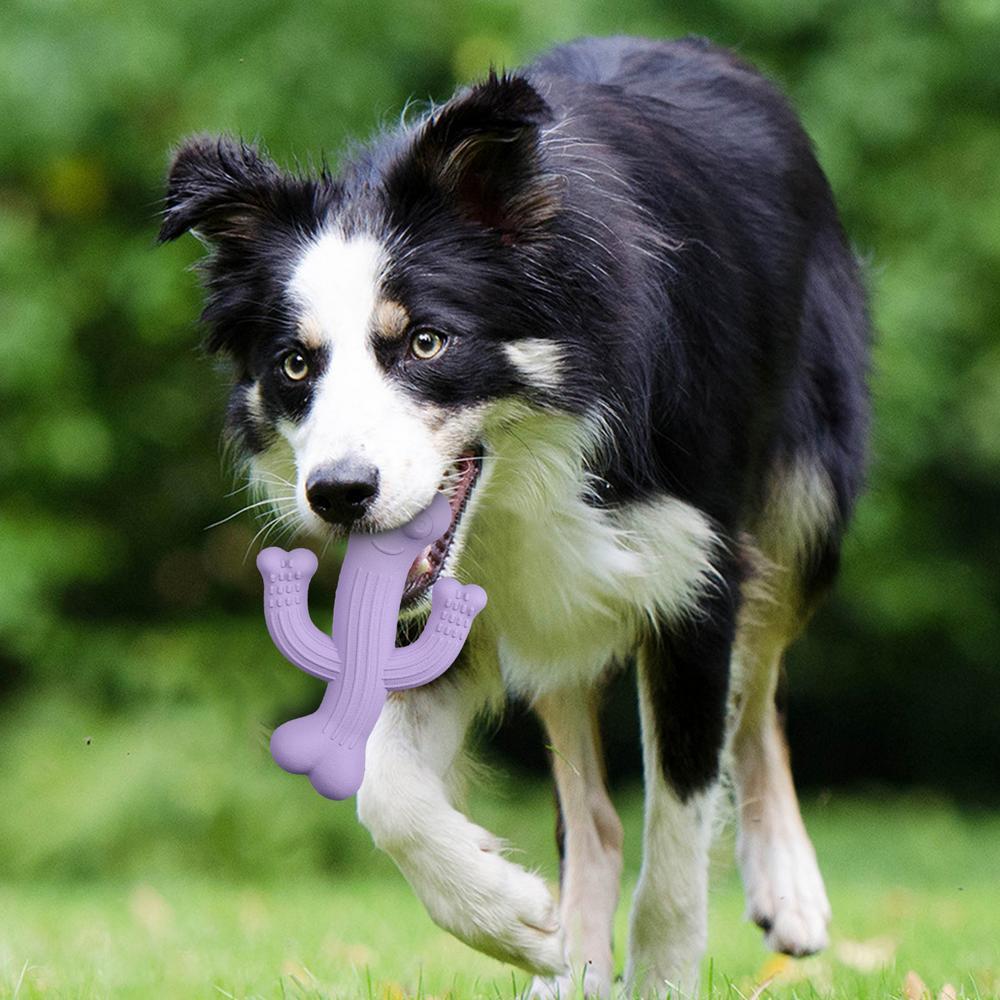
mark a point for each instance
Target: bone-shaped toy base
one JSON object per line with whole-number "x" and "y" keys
{"x": 301, "y": 746}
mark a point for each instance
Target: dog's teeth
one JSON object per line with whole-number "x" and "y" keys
{"x": 423, "y": 566}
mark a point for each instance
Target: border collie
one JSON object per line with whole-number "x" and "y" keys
{"x": 606, "y": 304}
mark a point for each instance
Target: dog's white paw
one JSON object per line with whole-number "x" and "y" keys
{"x": 520, "y": 923}
{"x": 492, "y": 905}
{"x": 785, "y": 893}
{"x": 799, "y": 928}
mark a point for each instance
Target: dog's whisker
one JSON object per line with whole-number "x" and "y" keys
{"x": 270, "y": 501}
{"x": 239, "y": 489}
{"x": 259, "y": 479}
{"x": 326, "y": 545}
{"x": 268, "y": 528}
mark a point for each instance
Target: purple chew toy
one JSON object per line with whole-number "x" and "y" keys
{"x": 361, "y": 661}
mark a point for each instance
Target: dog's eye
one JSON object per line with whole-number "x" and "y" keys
{"x": 427, "y": 344}
{"x": 295, "y": 366}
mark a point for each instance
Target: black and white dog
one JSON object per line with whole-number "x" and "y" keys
{"x": 606, "y": 303}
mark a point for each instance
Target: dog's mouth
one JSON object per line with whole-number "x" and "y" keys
{"x": 459, "y": 482}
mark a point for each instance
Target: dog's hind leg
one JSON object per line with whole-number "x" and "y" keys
{"x": 784, "y": 888}
{"x": 590, "y": 835}
{"x": 683, "y": 672}
{"x": 457, "y": 868}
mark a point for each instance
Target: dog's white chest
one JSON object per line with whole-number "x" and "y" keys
{"x": 554, "y": 604}
{"x": 572, "y": 588}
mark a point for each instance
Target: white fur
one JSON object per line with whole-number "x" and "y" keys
{"x": 784, "y": 888}
{"x": 800, "y": 509}
{"x": 783, "y": 884}
{"x": 357, "y": 410}
{"x": 539, "y": 362}
{"x": 456, "y": 867}
{"x": 668, "y": 924}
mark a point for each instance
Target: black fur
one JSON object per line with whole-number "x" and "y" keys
{"x": 684, "y": 669}
{"x": 652, "y": 207}
{"x": 254, "y": 217}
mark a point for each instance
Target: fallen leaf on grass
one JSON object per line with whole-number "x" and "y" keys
{"x": 150, "y": 910}
{"x": 348, "y": 952}
{"x": 866, "y": 956}
{"x": 767, "y": 973}
{"x": 914, "y": 988}
{"x": 38, "y": 977}
{"x": 252, "y": 914}
{"x": 773, "y": 967}
{"x": 785, "y": 970}
{"x": 293, "y": 968}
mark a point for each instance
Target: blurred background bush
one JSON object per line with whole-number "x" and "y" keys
{"x": 137, "y": 683}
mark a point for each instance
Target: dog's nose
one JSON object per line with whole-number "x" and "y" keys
{"x": 342, "y": 492}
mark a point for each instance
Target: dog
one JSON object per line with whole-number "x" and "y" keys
{"x": 606, "y": 304}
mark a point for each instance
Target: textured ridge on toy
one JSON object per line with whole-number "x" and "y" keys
{"x": 360, "y": 662}
{"x": 286, "y": 578}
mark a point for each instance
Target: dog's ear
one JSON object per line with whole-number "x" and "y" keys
{"x": 218, "y": 188}
{"x": 482, "y": 151}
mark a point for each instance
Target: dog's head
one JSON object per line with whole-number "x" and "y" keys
{"x": 378, "y": 322}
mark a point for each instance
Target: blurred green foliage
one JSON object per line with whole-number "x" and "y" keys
{"x": 122, "y": 619}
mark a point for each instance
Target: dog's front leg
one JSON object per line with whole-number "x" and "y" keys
{"x": 456, "y": 867}
{"x": 683, "y": 672}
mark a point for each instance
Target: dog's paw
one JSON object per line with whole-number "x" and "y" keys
{"x": 799, "y": 928}
{"x": 520, "y": 924}
{"x": 785, "y": 894}
{"x": 496, "y": 907}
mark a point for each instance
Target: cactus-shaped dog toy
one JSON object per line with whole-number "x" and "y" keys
{"x": 361, "y": 662}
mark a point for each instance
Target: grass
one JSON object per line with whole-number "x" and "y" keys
{"x": 915, "y": 886}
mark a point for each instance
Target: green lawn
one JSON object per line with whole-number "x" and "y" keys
{"x": 915, "y": 885}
